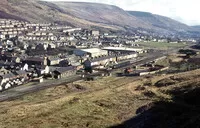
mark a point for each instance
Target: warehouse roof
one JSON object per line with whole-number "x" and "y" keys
{"x": 123, "y": 49}
{"x": 92, "y": 50}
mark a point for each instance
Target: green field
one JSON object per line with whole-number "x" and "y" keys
{"x": 161, "y": 45}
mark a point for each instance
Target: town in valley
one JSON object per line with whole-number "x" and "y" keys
{"x": 99, "y": 64}
{"x": 33, "y": 52}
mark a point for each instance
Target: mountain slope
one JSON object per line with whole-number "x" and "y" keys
{"x": 89, "y": 15}
{"x": 40, "y": 11}
{"x": 196, "y": 28}
{"x": 101, "y": 13}
{"x": 77, "y": 14}
{"x": 160, "y": 21}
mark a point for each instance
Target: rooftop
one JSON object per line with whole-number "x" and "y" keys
{"x": 93, "y": 50}
{"x": 123, "y": 49}
{"x": 65, "y": 69}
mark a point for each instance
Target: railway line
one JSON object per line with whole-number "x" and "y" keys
{"x": 17, "y": 92}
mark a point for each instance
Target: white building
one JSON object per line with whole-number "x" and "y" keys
{"x": 138, "y": 50}
{"x": 91, "y": 52}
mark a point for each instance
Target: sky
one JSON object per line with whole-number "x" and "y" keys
{"x": 185, "y": 11}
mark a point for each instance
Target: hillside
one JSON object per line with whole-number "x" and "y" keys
{"x": 101, "y": 13}
{"x": 43, "y": 12}
{"x": 160, "y": 21}
{"x": 76, "y": 14}
{"x": 89, "y": 15}
{"x": 111, "y": 101}
{"x": 196, "y": 28}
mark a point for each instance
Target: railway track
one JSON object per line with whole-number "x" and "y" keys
{"x": 17, "y": 92}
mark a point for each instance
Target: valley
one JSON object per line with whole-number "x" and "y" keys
{"x": 94, "y": 65}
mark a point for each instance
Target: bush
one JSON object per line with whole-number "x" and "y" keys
{"x": 165, "y": 82}
{"x": 188, "y": 52}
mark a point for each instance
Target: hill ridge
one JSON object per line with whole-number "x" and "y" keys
{"x": 88, "y": 14}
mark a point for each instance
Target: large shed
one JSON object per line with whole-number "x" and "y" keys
{"x": 64, "y": 72}
{"x": 91, "y": 52}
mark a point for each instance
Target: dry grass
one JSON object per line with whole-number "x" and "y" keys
{"x": 161, "y": 45}
{"x": 176, "y": 57}
{"x": 101, "y": 103}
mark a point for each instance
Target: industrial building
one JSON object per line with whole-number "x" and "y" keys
{"x": 123, "y": 49}
{"x": 99, "y": 61}
{"x": 91, "y": 52}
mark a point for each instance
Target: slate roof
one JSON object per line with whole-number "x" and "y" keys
{"x": 65, "y": 69}
{"x": 20, "y": 72}
{"x": 102, "y": 58}
{"x": 9, "y": 75}
{"x": 36, "y": 59}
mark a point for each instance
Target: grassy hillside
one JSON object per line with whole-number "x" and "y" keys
{"x": 178, "y": 106}
{"x": 101, "y": 13}
{"x": 76, "y": 14}
{"x": 160, "y": 21}
{"x": 110, "y": 102}
{"x": 43, "y": 12}
{"x": 88, "y": 15}
{"x": 161, "y": 45}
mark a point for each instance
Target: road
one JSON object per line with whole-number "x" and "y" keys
{"x": 19, "y": 91}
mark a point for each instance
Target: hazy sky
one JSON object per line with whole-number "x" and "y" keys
{"x": 185, "y": 11}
